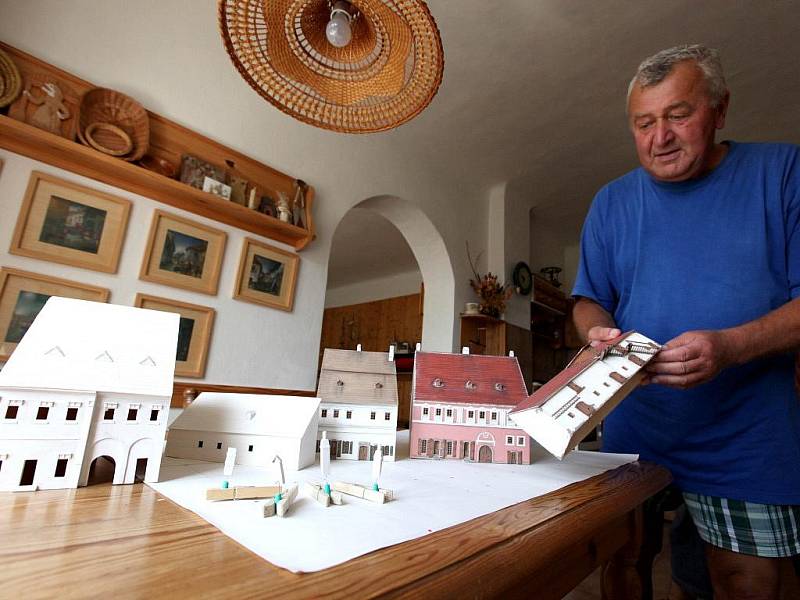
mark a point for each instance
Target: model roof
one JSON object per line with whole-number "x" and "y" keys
{"x": 354, "y": 377}
{"x": 250, "y": 414}
{"x": 81, "y": 345}
{"x": 587, "y": 356}
{"x": 468, "y": 379}
{"x": 357, "y": 361}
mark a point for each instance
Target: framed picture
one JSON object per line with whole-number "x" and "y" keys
{"x": 194, "y": 170}
{"x": 212, "y": 186}
{"x": 267, "y": 275}
{"x": 194, "y": 332}
{"x": 22, "y": 296}
{"x": 67, "y": 223}
{"x": 183, "y": 253}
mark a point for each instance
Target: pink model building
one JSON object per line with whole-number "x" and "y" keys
{"x": 460, "y": 405}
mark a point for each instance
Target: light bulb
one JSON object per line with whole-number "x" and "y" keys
{"x": 338, "y": 29}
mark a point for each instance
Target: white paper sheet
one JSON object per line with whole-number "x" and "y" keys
{"x": 429, "y": 495}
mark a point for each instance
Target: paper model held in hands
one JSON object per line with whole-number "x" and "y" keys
{"x": 460, "y": 406}
{"x": 88, "y": 380}
{"x": 359, "y": 403}
{"x": 565, "y": 409}
{"x": 259, "y": 426}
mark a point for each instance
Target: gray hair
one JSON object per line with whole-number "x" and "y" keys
{"x": 654, "y": 69}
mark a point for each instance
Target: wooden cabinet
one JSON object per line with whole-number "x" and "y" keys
{"x": 553, "y": 338}
{"x": 169, "y": 141}
{"x": 487, "y": 335}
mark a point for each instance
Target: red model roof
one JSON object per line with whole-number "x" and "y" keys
{"x": 582, "y": 360}
{"x": 468, "y": 379}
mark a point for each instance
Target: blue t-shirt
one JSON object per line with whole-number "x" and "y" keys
{"x": 666, "y": 258}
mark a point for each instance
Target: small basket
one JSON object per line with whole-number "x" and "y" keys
{"x": 10, "y": 80}
{"x": 103, "y": 106}
{"x": 108, "y": 138}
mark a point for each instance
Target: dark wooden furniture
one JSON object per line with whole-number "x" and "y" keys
{"x": 128, "y": 541}
{"x": 486, "y": 335}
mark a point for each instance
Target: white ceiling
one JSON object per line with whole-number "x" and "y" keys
{"x": 533, "y": 93}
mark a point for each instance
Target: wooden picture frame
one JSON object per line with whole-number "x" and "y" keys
{"x": 194, "y": 334}
{"x": 183, "y": 253}
{"x": 64, "y": 222}
{"x": 267, "y": 275}
{"x": 17, "y": 311}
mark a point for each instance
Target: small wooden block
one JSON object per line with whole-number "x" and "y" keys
{"x": 269, "y": 508}
{"x": 216, "y": 494}
{"x": 317, "y": 493}
{"x": 337, "y": 498}
{"x": 352, "y": 489}
{"x": 286, "y": 502}
{"x": 254, "y": 492}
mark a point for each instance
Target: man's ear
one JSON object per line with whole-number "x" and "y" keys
{"x": 722, "y": 110}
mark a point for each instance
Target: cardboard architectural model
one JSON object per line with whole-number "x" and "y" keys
{"x": 259, "y": 426}
{"x": 359, "y": 403}
{"x": 460, "y": 408}
{"x": 565, "y": 409}
{"x": 88, "y": 380}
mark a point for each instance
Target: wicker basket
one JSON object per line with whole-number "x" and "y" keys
{"x": 10, "y": 80}
{"x": 101, "y": 105}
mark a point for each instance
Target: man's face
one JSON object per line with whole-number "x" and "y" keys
{"x": 673, "y": 124}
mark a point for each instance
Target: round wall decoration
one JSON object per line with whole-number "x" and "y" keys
{"x": 356, "y": 67}
{"x": 523, "y": 279}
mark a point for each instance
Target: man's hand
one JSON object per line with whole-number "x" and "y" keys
{"x": 599, "y": 334}
{"x": 690, "y": 359}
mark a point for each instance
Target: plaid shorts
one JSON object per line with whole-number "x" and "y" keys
{"x": 767, "y": 530}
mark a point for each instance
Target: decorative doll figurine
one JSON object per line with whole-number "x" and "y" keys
{"x": 284, "y": 212}
{"x": 52, "y": 109}
{"x": 299, "y": 208}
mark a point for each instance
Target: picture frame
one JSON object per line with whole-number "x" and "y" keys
{"x": 267, "y": 275}
{"x": 212, "y": 186}
{"x": 194, "y": 170}
{"x": 64, "y": 222}
{"x": 183, "y": 253}
{"x": 194, "y": 333}
{"x": 22, "y": 296}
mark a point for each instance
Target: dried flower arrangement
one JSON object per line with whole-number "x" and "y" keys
{"x": 491, "y": 293}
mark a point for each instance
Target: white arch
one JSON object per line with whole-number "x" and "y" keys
{"x": 141, "y": 448}
{"x": 439, "y": 326}
{"x": 106, "y": 447}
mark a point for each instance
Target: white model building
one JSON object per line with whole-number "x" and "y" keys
{"x": 259, "y": 426}
{"x": 88, "y": 380}
{"x": 359, "y": 403}
{"x": 565, "y": 409}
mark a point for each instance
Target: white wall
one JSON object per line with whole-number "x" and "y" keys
{"x": 168, "y": 55}
{"x": 380, "y": 288}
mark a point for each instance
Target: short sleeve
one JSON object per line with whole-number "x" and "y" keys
{"x": 594, "y": 278}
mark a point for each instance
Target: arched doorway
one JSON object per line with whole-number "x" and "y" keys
{"x": 102, "y": 470}
{"x": 485, "y": 454}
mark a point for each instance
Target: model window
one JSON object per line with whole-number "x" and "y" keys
{"x": 41, "y": 414}
{"x": 132, "y": 414}
{"x": 349, "y": 414}
{"x": 520, "y": 441}
{"x": 72, "y": 414}
{"x": 154, "y": 414}
{"x": 388, "y": 450}
{"x": 219, "y": 445}
{"x": 471, "y": 414}
{"x": 347, "y": 447}
{"x": 108, "y": 415}
{"x": 61, "y": 467}
{"x": 387, "y": 416}
{"x": 449, "y": 448}
{"x": 482, "y": 414}
{"x": 336, "y": 413}
{"x": 423, "y": 446}
{"x": 509, "y": 440}
{"x": 449, "y": 412}
{"x": 250, "y": 448}
{"x": 199, "y": 443}
{"x": 494, "y": 416}
{"x": 372, "y": 416}
{"x": 438, "y": 412}
{"x": 324, "y": 412}
{"x": 11, "y": 411}
{"x": 317, "y": 445}
{"x": 425, "y": 412}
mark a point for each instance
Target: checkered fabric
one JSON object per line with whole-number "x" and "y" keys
{"x": 757, "y": 529}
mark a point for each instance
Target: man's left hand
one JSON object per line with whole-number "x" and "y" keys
{"x": 691, "y": 359}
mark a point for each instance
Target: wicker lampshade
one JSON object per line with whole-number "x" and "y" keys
{"x": 385, "y": 76}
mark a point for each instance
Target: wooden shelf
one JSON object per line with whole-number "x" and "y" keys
{"x": 168, "y": 140}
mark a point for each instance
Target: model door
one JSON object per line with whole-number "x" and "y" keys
{"x": 363, "y": 451}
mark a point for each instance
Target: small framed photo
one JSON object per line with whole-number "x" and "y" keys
{"x": 194, "y": 332}
{"x": 267, "y": 275}
{"x": 183, "y": 253}
{"x": 212, "y": 186}
{"x": 268, "y": 207}
{"x": 67, "y": 223}
{"x": 22, "y": 296}
{"x": 194, "y": 171}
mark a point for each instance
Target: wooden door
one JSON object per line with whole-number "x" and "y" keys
{"x": 363, "y": 451}
{"x": 485, "y": 454}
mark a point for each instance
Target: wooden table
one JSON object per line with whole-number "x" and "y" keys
{"x": 128, "y": 541}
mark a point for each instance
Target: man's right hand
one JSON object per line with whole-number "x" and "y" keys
{"x": 599, "y": 334}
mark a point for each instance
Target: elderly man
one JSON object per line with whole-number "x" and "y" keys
{"x": 700, "y": 250}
